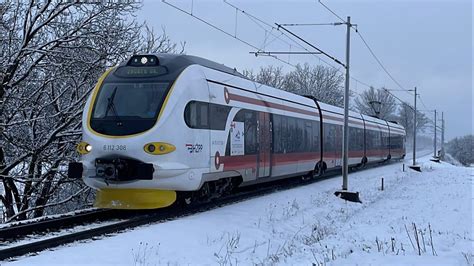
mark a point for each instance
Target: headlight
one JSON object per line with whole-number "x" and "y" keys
{"x": 84, "y": 147}
{"x": 158, "y": 148}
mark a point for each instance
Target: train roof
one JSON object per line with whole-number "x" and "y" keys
{"x": 178, "y": 62}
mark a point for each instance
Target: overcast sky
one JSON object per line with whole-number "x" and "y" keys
{"x": 427, "y": 44}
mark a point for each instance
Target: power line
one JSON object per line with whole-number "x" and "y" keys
{"x": 255, "y": 18}
{"x": 311, "y": 45}
{"x": 280, "y": 52}
{"x": 369, "y": 48}
{"x": 334, "y": 13}
{"x": 393, "y": 95}
{"x": 422, "y": 102}
{"x": 378, "y": 60}
{"x": 223, "y": 31}
{"x": 366, "y": 44}
{"x": 308, "y": 24}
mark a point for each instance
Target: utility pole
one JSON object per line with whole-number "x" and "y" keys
{"x": 414, "y": 166}
{"x": 414, "y": 133}
{"x": 435, "y": 148}
{"x": 345, "y": 134}
{"x": 344, "y": 194}
{"x": 435, "y": 155}
{"x": 442, "y": 135}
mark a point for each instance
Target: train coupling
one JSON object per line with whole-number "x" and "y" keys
{"x": 122, "y": 169}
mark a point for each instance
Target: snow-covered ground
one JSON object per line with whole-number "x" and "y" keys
{"x": 308, "y": 225}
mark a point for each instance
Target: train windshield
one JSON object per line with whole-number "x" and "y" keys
{"x": 127, "y": 108}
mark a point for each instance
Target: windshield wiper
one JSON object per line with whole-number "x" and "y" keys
{"x": 111, "y": 106}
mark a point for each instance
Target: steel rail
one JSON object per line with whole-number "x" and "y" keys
{"x": 27, "y": 228}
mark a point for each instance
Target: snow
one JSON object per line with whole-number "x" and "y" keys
{"x": 46, "y": 217}
{"x": 41, "y": 236}
{"x": 307, "y": 225}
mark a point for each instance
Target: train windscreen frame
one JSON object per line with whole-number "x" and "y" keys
{"x": 126, "y": 108}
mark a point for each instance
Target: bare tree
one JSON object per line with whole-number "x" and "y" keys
{"x": 53, "y": 53}
{"x": 405, "y": 118}
{"x": 323, "y": 83}
{"x": 270, "y": 75}
{"x": 366, "y": 103}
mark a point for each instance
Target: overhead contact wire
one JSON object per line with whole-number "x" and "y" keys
{"x": 223, "y": 31}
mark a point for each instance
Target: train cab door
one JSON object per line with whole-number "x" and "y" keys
{"x": 264, "y": 145}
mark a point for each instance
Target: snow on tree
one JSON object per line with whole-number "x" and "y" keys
{"x": 462, "y": 149}
{"x": 323, "y": 83}
{"x": 52, "y": 53}
{"x": 364, "y": 103}
{"x": 406, "y": 116}
{"x": 270, "y": 75}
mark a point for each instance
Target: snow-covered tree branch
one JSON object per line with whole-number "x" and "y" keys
{"x": 52, "y": 53}
{"x": 323, "y": 83}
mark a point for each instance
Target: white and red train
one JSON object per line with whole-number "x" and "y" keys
{"x": 163, "y": 126}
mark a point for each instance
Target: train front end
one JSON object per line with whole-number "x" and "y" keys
{"x": 129, "y": 146}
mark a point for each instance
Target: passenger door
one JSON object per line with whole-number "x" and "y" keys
{"x": 264, "y": 145}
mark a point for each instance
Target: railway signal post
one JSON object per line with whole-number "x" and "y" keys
{"x": 344, "y": 193}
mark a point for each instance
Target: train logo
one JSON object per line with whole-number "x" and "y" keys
{"x": 194, "y": 148}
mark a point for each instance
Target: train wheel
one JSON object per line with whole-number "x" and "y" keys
{"x": 364, "y": 162}
{"x": 209, "y": 191}
{"x": 319, "y": 169}
{"x": 307, "y": 176}
{"x": 185, "y": 198}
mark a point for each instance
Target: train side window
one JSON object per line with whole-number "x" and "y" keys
{"x": 378, "y": 137}
{"x": 352, "y": 143}
{"x": 316, "y": 132}
{"x": 396, "y": 142}
{"x": 300, "y": 140}
{"x": 329, "y": 137}
{"x": 371, "y": 141}
{"x": 291, "y": 134}
{"x": 277, "y": 144}
{"x": 356, "y": 139}
{"x": 284, "y": 134}
{"x": 250, "y": 130}
{"x": 218, "y": 114}
{"x": 202, "y": 115}
{"x": 338, "y": 138}
{"x": 386, "y": 140}
{"x": 382, "y": 139}
{"x": 308, "y": 136}
{"x": 360, "y": 134}
{"x": 196, "y": 115}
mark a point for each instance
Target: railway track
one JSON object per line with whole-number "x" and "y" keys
{"x": 23, "y": 229}
{"x": 143, "y": 219}
{"x": 134, "y": 219}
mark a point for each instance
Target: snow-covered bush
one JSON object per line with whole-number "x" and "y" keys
{"x": 462, "y": 149}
